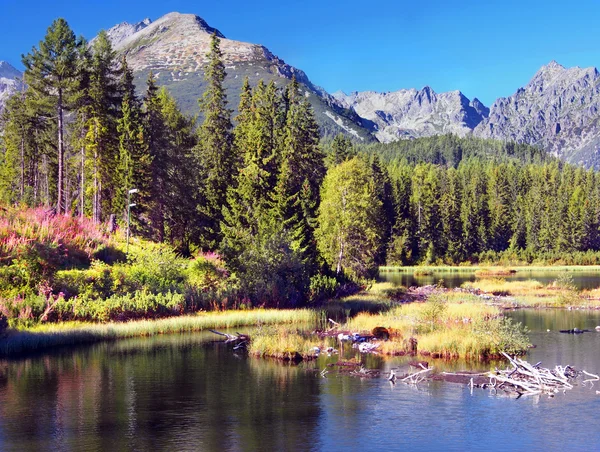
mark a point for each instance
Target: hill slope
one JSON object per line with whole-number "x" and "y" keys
{"x": 174, "y": 47}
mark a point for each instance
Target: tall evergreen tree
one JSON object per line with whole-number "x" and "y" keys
{"x": 50, "y": 72}
{"x": 215, "y": 145}
{"x": 102, "y": 124}
{"x": 134, "y": 169}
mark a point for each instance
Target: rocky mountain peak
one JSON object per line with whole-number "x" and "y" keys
{"x": 11, "y": 81}
{"x": 415, "y": 113}
{"x": 557, "y": 110}
{"x": 8, "y": 71}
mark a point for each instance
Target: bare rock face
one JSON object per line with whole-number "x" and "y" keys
{"x": 411, "y": 113}
{"x": 11, "y": 81}
{"x": 122, "y": 31}
{"x": 175, "y": 48}
{"x": 557, "y": 110}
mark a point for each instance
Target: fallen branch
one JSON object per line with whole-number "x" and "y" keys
{"x": 526, "y": 379}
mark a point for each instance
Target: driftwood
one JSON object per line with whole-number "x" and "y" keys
{"x": 526, "y": 379}
{"x": 417, "y": 377}
{"x": 233, "y": 337}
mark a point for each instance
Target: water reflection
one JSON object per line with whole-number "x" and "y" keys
{"x": 184, "y": 392}
{"x": 178, "y": 394}
{"x": 581, "y": 279}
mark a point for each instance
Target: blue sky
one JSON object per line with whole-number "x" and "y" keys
{"x": 485, "y": 48}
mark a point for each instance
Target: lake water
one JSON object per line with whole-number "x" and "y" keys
{"x": 581, "y": 279}
{"x": 185, "y": 392}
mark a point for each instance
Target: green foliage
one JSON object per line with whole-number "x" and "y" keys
{"x": 271, "y": 272}
{"x": 433, "y": 310}
{"x": 349, "y": 234}
{"x": 323, "y": 287}
{"x": 502, "y": 335}
{"x": 215, "y": 146}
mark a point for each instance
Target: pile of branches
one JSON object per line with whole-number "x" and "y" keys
{"x": 526, "y": 379}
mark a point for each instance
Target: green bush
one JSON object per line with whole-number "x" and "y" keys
{"x": 207, "y": 272}
{"x": 140, "y": 304}
{"x": 323, "y": 287}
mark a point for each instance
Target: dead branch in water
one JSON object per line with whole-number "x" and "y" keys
{"x": 526, "y": 379}
{"x": 232, "y": 337}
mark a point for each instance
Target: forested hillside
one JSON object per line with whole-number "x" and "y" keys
{"x": 292, "y": 217}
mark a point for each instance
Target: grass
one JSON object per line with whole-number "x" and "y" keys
{"x": 284, "y": 343}
{"x": 72, "y": 333}
{"x": 444, "y": 329}
{"x": 499, "y": 286}
{"x": 494, "y": 272}
{"x": 534, "y": 294}
{"x": 475, "y": 268}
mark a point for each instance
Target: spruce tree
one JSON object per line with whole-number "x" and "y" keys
{"x": 215, "y": 148}
{"x": 101, "y": 137}
{"x": 154, "y": 200}
{"x": 134, "y": 157}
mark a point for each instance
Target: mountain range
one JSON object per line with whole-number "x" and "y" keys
{"x": 557, "y": 110}
{"x": 10, "y": 82}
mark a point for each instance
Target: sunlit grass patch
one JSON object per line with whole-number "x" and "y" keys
{"x": 284, "y": 343}
{"x": 490, "y": 272}
{"x": 52, "y": 335}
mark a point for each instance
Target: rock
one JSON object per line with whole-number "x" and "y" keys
{"x": 380, "y": 332}
{"x": 556, "y": 110}
{"x": 411, "y": 113}
{"x": 11, "y": 81}
{"x": 175, "y": 46}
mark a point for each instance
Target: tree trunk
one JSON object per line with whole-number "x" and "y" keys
{"x": 82, "y": 183}
{"x": 59, "y": 204}
{"x": 22, "y": 165}
{"x": 340, "y": 258}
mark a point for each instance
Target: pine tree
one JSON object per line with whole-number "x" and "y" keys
{"x": 50, "y": 72}
{"x": 341, "y": 150}
{"x": 154, "y": 201}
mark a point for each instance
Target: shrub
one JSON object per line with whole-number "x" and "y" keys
{"x": 323, "y": 287}
{"x": 433, "y": 310}
{"x": 207, "y": 272}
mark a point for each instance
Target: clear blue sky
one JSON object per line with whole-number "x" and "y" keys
{"x": 485, "y": 48}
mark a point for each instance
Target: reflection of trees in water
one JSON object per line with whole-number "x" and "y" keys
{"x": 171, "y": 392}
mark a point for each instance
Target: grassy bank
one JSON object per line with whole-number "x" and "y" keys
{"x": 533, "y": 294}
{"x": 490, "y": 268}
{"x": 448, "y": 325}
{"x": 72, "y": 333}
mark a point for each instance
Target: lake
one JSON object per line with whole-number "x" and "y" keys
{"x": 186, "y": 392}
{"x": 584, "y": 279}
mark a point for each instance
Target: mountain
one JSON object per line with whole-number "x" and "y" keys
{"x": 10, "y": 82}
{"x": 411, "y": 113}
{"x": 174, "y": 48}
{"x": 557, "y": 110}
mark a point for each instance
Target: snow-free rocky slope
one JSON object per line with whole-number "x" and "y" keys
{"x": 557, "y": 110}
{"x": 411, "y": 113}
{"x": 10, "y": 82}
{"x": 175, "y": 46}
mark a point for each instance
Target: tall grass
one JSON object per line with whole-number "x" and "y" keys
{"x": 444, "y": 329}
{"x": 46, "y": 336}
{"x": 284, "y": 343}
{"x": 19, "y": 228}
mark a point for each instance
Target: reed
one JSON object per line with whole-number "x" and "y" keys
{"x": 51, "y": 335}
{"x": 284, "y": 343}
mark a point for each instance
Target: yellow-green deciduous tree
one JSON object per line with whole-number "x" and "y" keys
{"x": 350, "y": 231}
